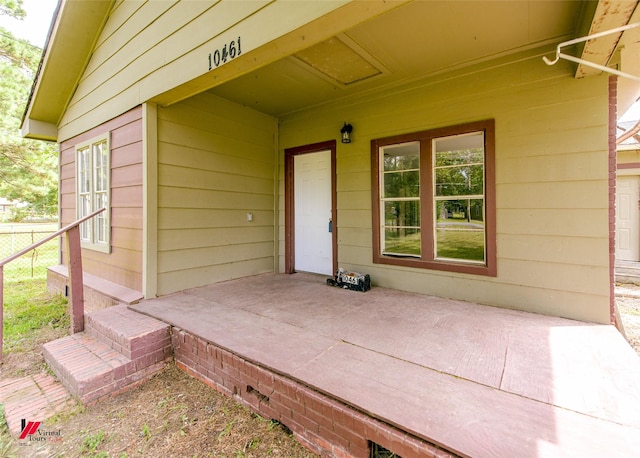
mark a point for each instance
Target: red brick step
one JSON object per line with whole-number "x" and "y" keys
{"x": 118, "y": 350}
{"x": 130, "y": 333}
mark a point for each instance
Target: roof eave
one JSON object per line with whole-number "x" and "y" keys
{"x": 77, "y": 25}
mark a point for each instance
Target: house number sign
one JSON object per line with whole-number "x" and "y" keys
{"x": 222, "y": 55}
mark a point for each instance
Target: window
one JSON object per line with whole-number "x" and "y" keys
{"x": 434, "y": 199}
{"x": 93, "y": 192}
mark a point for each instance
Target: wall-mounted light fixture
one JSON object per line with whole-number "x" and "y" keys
{"x": 346, "y": 133}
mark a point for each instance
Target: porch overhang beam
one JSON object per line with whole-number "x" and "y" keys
{"x": 608, "y": 15}
{"x": 324, "y": 27}
{"x": 592, "y": 65}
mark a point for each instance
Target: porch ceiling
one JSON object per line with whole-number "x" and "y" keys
{"x": 410, "y": 42}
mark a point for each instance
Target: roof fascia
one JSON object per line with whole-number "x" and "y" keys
{"x": 599, "y": 17}
{"x": 76, "y": 24}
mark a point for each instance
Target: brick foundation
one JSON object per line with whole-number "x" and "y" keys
{"x": 93, "y": 300}
{"x": 324, "y": 425}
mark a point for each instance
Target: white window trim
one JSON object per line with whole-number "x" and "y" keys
{"x": 91, "y": 242}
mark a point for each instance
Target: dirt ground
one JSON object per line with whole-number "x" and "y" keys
{"x": 174, "y": 415}
{"x": 171, "y": 415}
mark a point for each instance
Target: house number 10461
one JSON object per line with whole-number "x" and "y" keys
{"x": 226, "y": 53}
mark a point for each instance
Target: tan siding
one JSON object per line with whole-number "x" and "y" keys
{"x": 182, "y": 177}
{"x": 551, "y": 176}
{"x": 202, "y": 218}
{"x": 215, "y": 164}
{"x": 124, "y": 264}
{"x": 629, "y": 157}
{"x": 222, "y": 271}
{"x": 179, "y": 239}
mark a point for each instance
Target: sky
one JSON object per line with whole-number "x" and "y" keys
{"x": 633, "y": 114}
{"x": 35, "y": 26}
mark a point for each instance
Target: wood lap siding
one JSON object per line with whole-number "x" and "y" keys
{"x": 148, "y": 48}
{"x": 215, "y": 164}
{"x": 551, "y": 182}
{"x": 124, "y": 264}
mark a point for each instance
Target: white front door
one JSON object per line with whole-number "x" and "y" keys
{"x": 312, "y": 197}
{"x": 627, "y": 218}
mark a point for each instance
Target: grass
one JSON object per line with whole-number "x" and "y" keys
{"x": 33, "y": 264}
{"x": 93, "y": 440}
{"x": 7, "y": 446}
{"x": 27, "y": 309}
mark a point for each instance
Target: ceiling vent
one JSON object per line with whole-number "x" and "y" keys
{"x": 341, "y": 60}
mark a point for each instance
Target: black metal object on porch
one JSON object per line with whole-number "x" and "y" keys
{"x": 350, "y": 280}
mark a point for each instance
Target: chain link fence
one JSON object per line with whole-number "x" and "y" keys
{"x": 32, "y": 265}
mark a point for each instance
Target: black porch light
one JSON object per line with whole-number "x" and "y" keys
{"x": 346, "y": 133}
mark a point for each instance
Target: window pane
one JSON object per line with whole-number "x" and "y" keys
{"x": 460, "y": 229}
{"x": 459, "y": 180}
{"x": 101, "y": 229}
{"x": 459, "y": 165}
{"x": 458, "y": 157}
{"x": 84, "y": 210}
{"x": 402, "y": 241}
{"x": 83, "y": 171}
{"x": 459, "y": 149}
{"x": 402, "y": 184}
{"x": 402, "y": 227}
{"x": 101, "y": 219}
{"x": 405, "y": 156}
{"x": 100, "y": 201}
{"x": 402, "y": 213}
{"x": 101, "y": 166}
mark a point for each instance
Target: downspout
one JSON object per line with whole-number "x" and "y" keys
{"x": 561, "y": 55}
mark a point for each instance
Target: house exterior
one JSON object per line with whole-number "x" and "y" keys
{"x": 6, "y": 205}
{"x": 627, "y": 194}
{"x": 212, "y": 133}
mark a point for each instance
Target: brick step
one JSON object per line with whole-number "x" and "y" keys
{"x": 130, "y": 333}
{"x": 119, "y": 350}
{"x": 627, "y": 276}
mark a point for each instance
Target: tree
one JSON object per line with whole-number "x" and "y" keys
{"x": 28, "y": 171}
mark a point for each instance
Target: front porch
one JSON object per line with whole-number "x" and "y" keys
{"x": 414, "y": 374}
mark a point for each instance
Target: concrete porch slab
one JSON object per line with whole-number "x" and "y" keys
{"x": 475, "y": 380}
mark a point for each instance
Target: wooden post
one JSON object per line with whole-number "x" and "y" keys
{"x": 1, "y": 309}
{"x": 76, "y": 292}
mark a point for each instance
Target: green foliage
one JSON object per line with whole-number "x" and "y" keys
{"x": 15, "y": 237}
{"x": 92, "y": 441}
{"x": 146, "y": 432}
{"x": 27, "y": 310}
{"x": 7, "y": 446}
{"x": 28, "y": 171}
{"x": 12, "y": 8}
